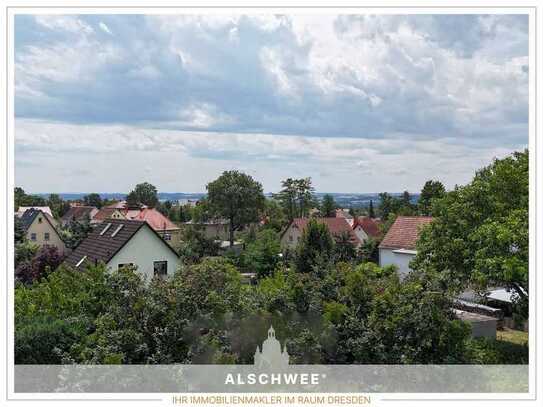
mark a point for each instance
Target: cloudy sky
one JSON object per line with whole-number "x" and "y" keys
{"x": 359, "y": 103}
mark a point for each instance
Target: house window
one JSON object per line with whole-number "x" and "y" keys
{"x": 33, "y": 237}
{"x": 46, "y": 236}
{"x": 39, "y": 220}
{"x": 124, "y": 265}
{"x": 290, "y": 238}
{"x": 160, "y": 268}
{"x": 167, "y": 236}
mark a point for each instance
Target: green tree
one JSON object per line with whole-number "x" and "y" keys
{"x": 19, "y": 232}
{"x": 144, "y": 194}
{"x": 75, "y": 231}
{"x": 371, "y": 211}
{"x": 430, "y": 191}
{"x": 262, "y": 255}
{"x": 58, "y": 206}
{"x": 296, "y": 197}
{"x": 236, "y": 197}
{"x": 287, "y": 198}
{"x": 480, "y": 233}
{"x": 93, "y": 199}
{"x": 387, "y": 205}
{"x": 316, "y": 246}
{"x": 305, "y": 197}
{"x": 274, "y": 216}
{"x": 195, "y": 245}
{"x": 344, "y": 247}
{"x": 328, "y": 206}
{"x": 22, "y": 199}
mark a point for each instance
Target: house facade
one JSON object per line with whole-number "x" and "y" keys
{"x": 121, "y": 242}
{"x": 293, "y": 233}
{"x": 398, "y": 247}
{"x": 215, "y": 229}
{"x": 41, "y": 228}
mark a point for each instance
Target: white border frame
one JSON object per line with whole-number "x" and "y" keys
{"x": 316, "y": 7}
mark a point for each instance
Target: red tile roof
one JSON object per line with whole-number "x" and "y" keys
{"x": 153, "y": 217}
{"x": 368, "y": 225}
{"x": 404, "y": 232}
{"x": 336, "y": 226}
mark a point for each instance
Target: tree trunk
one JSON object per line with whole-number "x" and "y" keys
{"x": 231, "y": 232}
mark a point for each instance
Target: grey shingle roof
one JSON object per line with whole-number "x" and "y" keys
{"x": 28, "y": 217}
{"x": 77, "y": 213}
{"x": 101, "y": 247}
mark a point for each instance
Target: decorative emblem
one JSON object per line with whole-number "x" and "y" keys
{"x": 271, "y": 356}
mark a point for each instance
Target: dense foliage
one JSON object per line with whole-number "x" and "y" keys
{"x": 480, "y": 234}
{"x": 236, "y": 197}
{"x": 431, "y": 191}
{"x": 143, "y": 194}
{"x": 33, "y": 263}
{"x": 296, "y": 197}
{"x": 204, "y": 314}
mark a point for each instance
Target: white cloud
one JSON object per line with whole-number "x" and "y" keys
{"x": 384, "y": 97}
{"x": 336, "y": 164}
{"x": 70, "y": 24}
{"x": 105, "y": 28}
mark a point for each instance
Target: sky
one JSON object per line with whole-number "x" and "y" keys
{"x": 359, "y": 103}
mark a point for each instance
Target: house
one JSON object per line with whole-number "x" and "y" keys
{"x": 365, "y": 227}
{"x": 23, "y": 209}
{"x": 482, "y": 326}
{"x": 217, "y": 229}
{"x": 398, "y": 245}
{"x": 41, "y": 228}
{"x": 78, "y": 213}
{"x": 160, "y": 223}
{"x": 122, "y": 242}
{"x": 293, "y": 233}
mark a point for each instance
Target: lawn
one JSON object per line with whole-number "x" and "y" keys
{"x": 512, "y": 336}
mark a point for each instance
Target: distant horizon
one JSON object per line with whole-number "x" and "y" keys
{"x": 204, "y": 193}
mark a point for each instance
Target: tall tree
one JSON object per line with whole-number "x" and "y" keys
{"x": 296, "y": 197}
{"x": 237, "y": 197}
{"x": 387, "y": 205}
{"x": 371, "y": 211}
{"x": 306, "y": 198}
{"x": 58, "y": 206}
{"x": 93, "y": 199}
{"x": 430, "y": 191}
{"x": 328, "y": 206}
{"x": 274, "y": 215}
{"x": 315, "y": 247}
{"x": 287, "y": 198}
{"x": 344, "y": 248}
{"x": 144, "y": 193}
{"x": 21, "y": 198}
{"x": 480, "y": 235}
